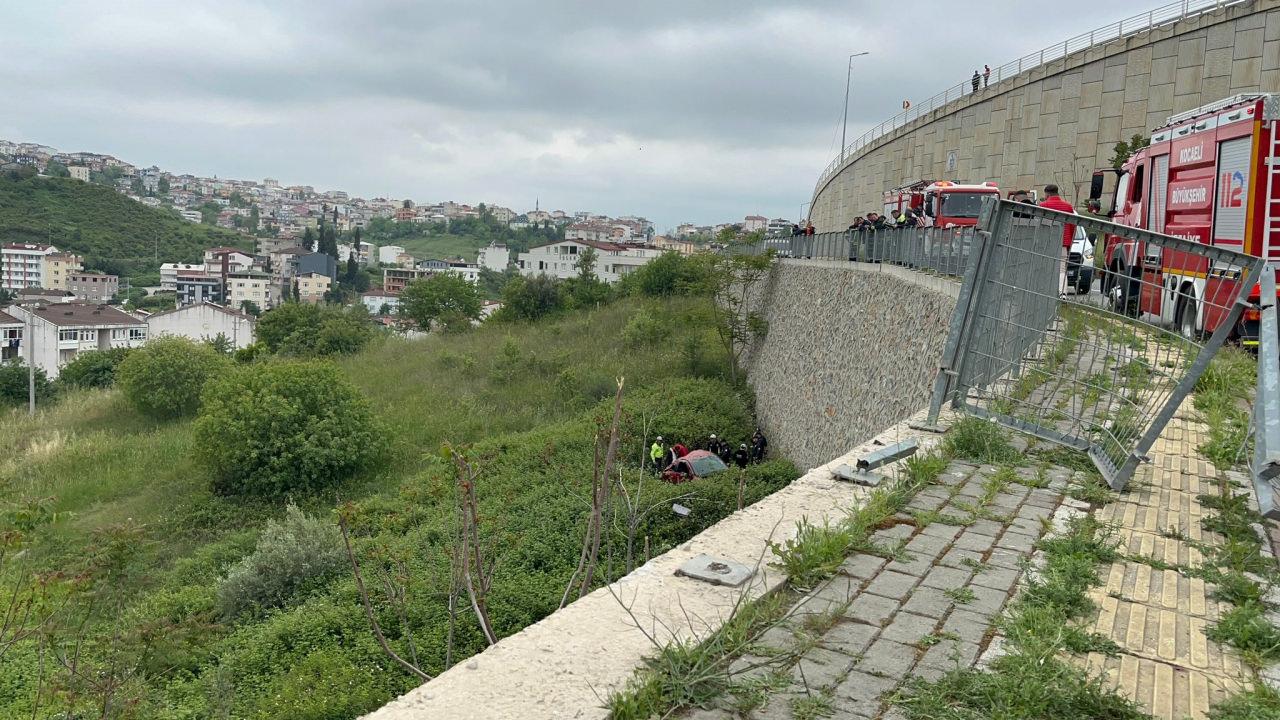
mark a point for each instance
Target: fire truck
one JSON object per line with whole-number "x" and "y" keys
{"x": 941, "y": 203}
{"x": 1210, "y": 176}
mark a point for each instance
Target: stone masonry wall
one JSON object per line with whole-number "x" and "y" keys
{"x": 848, "y": 353}
{"x": 1060, "y": 122}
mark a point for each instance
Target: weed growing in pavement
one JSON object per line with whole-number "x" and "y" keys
{"x": 1246, "y": 628}
{"x": 961, "y": 595}
{"x": 979, "y": 440}
{"x": 1259, "y": 703}
{"x": 1220, "y": 398}
{"x": 1034, "y": 679}
{"x": 934, "y": 638}
{"x": 812, "y": 706}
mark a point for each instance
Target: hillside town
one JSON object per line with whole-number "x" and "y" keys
{"x": 66, "y": 307}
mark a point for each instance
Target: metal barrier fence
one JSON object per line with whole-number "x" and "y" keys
{"x": 939, "y": 250}
{"x": 1100, "y": 374}
{"x": 1265, "y": 467}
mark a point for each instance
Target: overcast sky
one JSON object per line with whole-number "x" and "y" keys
{"x": 699, "y": 111}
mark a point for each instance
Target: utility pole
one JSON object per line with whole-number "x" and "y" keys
{"x": 31, "y": 362}
{"x": 848, "y": 75}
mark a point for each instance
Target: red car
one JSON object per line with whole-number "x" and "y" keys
{"x": 697, "y": 464}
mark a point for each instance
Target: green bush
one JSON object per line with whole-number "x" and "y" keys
{"x": 93, "y": 369}
{"x": 164, "y": 378}
{"x": 293, "y": 555}
{"x": 286, "y": 426}
{"x": 980, "y": 441}
{"x": 530, "y": 298}
{"x": 644, "y": 329}
{"x": 668, "y": 274}
{"x": 314, "y": 330}
{"x": 14, "y": 384}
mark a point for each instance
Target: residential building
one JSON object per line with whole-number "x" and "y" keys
{"x": 395, "y": 279}
{"x": 254, "y": 287}
{"x": 468, "y": 271}
{"x": 57, "y": 268}
{"x": 664, "y": 243}
{"x": 93, "y": 287}
{"x": 43, "y": 296}
{"x": 270, "y": 246}
{"x": 375, "y": 300}
{"x": 495, "y": 257}
{"x": 753, "y": 223}
{"x": 10, "y": 337}
{"x": 778, "y": 227}
{"x": 61, "y": 332}
{"x": 282, "y": 260}
{"x": 312, "y": 287}
{"x": 315, "y": 262}
{"x": 364, "y": 252}
{"x": 560, "y": 259}
{"x": 389, "y": 254}
{"x": 22, "y": 265}
{"x": 596, "y": 232}
{"x": 197, "y": 286}
{"x": 169, "y": 273}
{"x": 194, "y": 216}
{"x": 227, "y": 260}
{"x": 79, "y": 172}
{"x": 203, "y": 321}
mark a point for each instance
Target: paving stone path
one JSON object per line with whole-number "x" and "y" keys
{"x": 924, "y": 610}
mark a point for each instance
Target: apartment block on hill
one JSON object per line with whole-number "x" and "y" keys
{"x": 197, "y": 286}
{"x": 61, "y": 332}
{"x": 93, "y": 287}
{"x": 560, "y": 259}
{"x": 312, "y": 287}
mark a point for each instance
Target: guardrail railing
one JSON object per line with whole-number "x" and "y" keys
{"x": 940, "y": 250}
{"x": 1163, "y": 15}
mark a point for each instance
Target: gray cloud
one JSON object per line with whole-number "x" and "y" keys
{"x": 703, "y": 111}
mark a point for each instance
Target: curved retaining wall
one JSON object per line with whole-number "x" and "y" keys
{"x": 851, "y": 349}
{"x": 1060, "y": 121}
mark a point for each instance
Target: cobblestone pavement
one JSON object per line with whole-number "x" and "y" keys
{"x": 882, "y": 621}
{"x": 920, "y": 613}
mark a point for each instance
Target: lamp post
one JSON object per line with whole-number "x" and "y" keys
{"x": 847, "y": 77}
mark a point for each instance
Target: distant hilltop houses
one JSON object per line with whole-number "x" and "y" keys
{"x": 49, "y": 292}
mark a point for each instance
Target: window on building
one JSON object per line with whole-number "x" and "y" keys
{"x": 137, "y": 333}
{"x": 68, "y": 335}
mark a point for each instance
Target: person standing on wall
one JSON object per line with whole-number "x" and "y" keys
{"x": 986, "y": 75}
{"x": 976, "y": 79}
{"x": 1053, "y": 201}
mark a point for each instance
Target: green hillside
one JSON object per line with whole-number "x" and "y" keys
{"x": 112, "y": 232}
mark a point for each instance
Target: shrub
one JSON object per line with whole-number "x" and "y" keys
{"x": 164, "y": 378}
{"x": 14, "y": 384}
{"x": 93, "y": 369}
{"x": 293, "y": 555}
{"x": 644, "y": 329}
{"x": 980, "y": 441}
{"x": 286, "y": 426}
{"x": 314, "y": 330}
{"x": 668, "y": 274}
{"x": 531, "y": 298}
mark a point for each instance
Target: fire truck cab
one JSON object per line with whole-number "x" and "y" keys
{"x": 948, "y": 204}
{"x": 1209, "y": 176}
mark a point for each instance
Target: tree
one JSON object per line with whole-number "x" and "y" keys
{"x": 441, "y": 296}
{"x": 352, "y": 267}
{"x": 729, "y": 279}
{"x": 249, "y": 307}
{"x": 254, "y": 218}
{"x": 586, "y": 264}
{"x": 530, "y": 298}
{"x": 314, "y": 330}
{"x": 6, "y": 297}
{"x": 13, "y": 384}
{"x": 1125, "y": 150}
{"x": 162, "y": 185}
{"x": 56, "y": 169}
{"x": 284, "y": 427}
{"x": 164, "y": 377}
{"x": 308, "y": 239}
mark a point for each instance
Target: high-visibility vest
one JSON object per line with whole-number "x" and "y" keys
{"x": 655, "y": 452}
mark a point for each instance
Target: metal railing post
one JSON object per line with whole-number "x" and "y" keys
{"x": 1266, "y": 406}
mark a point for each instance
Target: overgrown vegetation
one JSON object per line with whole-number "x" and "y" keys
{"x": 101, "y": 490}
{"x": 1221, "y": 397}
{"x": 293, "y": 555}
{"x": 94, "y": 368}
{"x": 15, "y": 384}
{"x": 164, "y": 378}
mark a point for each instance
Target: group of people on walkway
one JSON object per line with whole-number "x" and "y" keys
{"x": 662, "y": 455}
{"x": 907, "y": 217}
{"x": 983, "y": 78}
{"x": 797, "y": 231}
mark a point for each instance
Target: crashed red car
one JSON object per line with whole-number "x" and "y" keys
{"x": 697, "y": 464}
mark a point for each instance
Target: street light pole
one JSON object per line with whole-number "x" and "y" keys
{"x": 848, "y": 75}
{"x": 31, "y": 362}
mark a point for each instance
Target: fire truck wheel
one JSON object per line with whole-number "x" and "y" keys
{"x": 1187, "y": 318}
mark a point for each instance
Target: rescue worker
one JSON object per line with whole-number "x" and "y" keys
{"x": 759, "y": 444}
{"x": 656, "y": 453}
{"x": 741, "y": 456}
{"x": 716, "y": 446}
{"x": 1053, "y": 202}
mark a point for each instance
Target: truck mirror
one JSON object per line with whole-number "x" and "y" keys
{"x": 1095, "y": 186}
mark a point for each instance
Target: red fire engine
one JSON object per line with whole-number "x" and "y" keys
{"x": 1209, "y": 176}
{"x": 942, "y": 203}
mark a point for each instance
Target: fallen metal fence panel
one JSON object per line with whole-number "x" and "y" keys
{"x": 1099, "y": 374}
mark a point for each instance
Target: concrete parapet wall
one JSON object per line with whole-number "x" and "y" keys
{"x": 1059, "y": 122}
{"x": 851, "y": 349}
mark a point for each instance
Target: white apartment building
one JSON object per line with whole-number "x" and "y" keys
{"x": 595, "y": 232}
{"x": 191, "y": 215}
{"x": 203, "y": 321}
{"x": 390, "y": 254}
{"x": 11, "y": 337}
{"x": 237, "y": 261}
{"x": 169, "y": 273}
{"x": 495, "y": 257}
{"x": 61, "y": 332}
{"x": 560, "y": 259}
{"x": 22, "y": 265}
{"x": 753, "y": 223}
{"x": 79, "y": 172}
{"x": 374, "y": 300}
{"x": 364, "y": 253}
{"x": 252, "y": 286}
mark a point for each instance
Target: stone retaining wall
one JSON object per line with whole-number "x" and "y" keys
{"x": 851, "y": 349}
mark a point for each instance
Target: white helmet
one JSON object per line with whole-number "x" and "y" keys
{"x": 659, "y": 438}
{"x": 713, "y": 436}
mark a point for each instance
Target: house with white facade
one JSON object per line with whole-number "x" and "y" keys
{"x": 227, "y": 259}
{"x": 61, "y": 332}
{"x": 169, "y": 273}
{"x": 22, "y": 265}
{"x": 560, "y": 259}
{"x": 203, "y": 321}
{"x": 10, "y": 337}
{"x": 375, "y": 300}
{"x": 495, "y": 257}
{"x": 390, "y": 254}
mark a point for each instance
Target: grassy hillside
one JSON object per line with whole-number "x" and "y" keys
{"x": 90, "y": 478}
{"x": 114, "y": 233}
